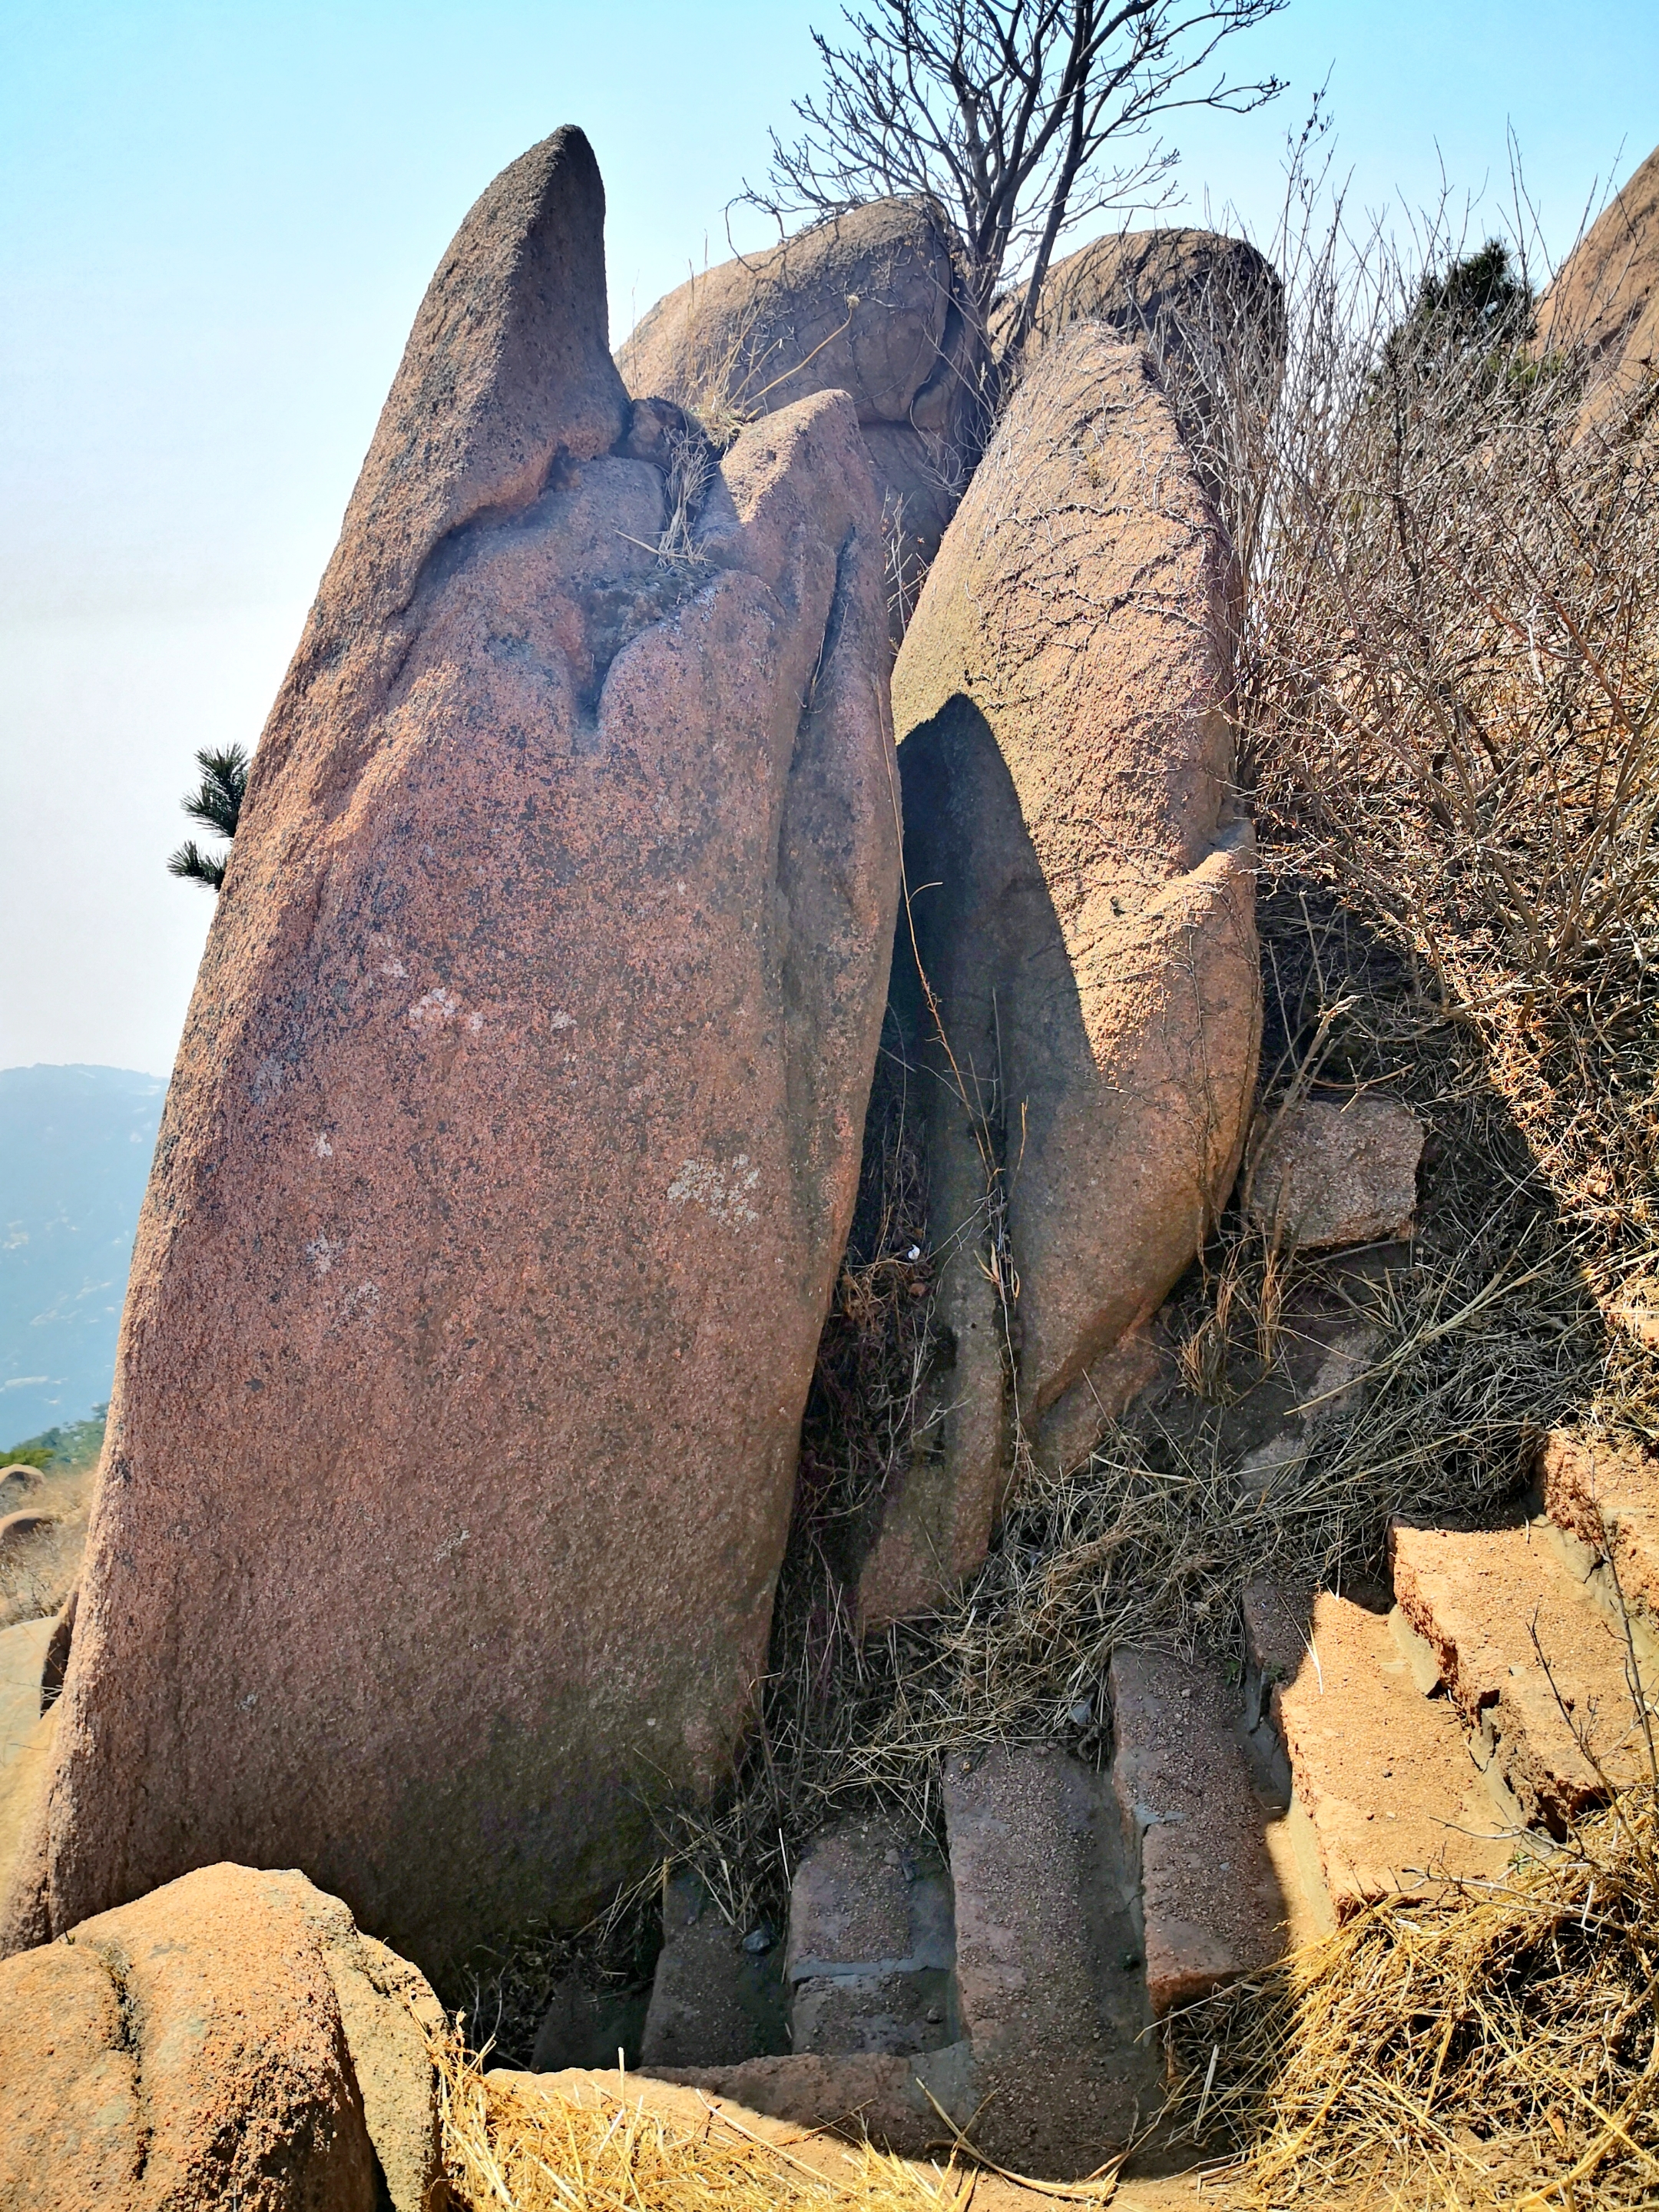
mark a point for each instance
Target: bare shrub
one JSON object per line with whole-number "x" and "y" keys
{"x": 1449, "y": 707}
{"x": 35, "y": 1575}
{"x": 1018, "y": 120}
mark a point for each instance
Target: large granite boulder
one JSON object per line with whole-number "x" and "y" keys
{"x": 1208, "y": 309}
{"x": 1082, "y": 893}
{"x": 511, "y": 1149}
{"x": 229, "y": 2039}
{"x": 865, "y": 303}
{"x": 1605, "y": 300}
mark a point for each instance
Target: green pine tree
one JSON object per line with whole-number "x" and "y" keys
{"x": 218, "y": 805}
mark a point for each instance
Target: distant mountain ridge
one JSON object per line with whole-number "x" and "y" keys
{"x": 74, "y": 1152}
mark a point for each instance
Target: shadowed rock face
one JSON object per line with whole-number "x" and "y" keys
{"x": 1606, "y": 298}
{"x": 511, "y": 1148}
{"x": 864, "y": 304}
{"x": 1084, "y": 910}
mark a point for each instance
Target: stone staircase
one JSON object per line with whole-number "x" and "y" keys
{"x": 1377, "y": 1743}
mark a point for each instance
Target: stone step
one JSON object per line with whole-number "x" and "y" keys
{"x": 1529, "y": 1660}
{"x": 1042, "y": 2046}
{"x": 872, "y": 1944}
{"x": 718, "y": 1996}
{"x": 1396, "y": 1802}
{"x": 1606, "y": 1497}
{"x": 582, "y": 2026}
{"x": 1049, "y": 1960}
{"x": 1194, "y": 1827}
{"x": 895, "y": 2101}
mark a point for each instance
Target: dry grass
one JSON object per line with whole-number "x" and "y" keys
{"x": 1450, "y": 705}
{"x": 1450, "y": 709}
{"x": 512, "y": 2145}
{"x": 1500, "y": 2046}
{"x": 35, "y": 1573}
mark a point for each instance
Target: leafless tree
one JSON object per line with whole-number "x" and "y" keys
{"x": 1018, "y": 118}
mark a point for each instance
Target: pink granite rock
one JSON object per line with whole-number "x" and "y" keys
{"x": 511, "y": 1148}
{"x": 1083, "y": 893}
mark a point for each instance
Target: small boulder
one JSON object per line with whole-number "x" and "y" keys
{"x": 229, "y": 2039}
{"x": 1332, "y": 1175}
{"x": 18, "y": 1483}
{"x": 1209, "y": 309}
{"x": 17, "y": 1530}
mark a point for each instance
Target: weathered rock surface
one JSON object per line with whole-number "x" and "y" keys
{"x": 511, "y": 1148}
{"x": 1210, "y": 311}
{"x": 1053, "y": 2002}
{"x": 1211, "y": 1902}
{"x": 1395, "y": 1799}
{"x": 1083, "y": 894}
{"x": 870, "y": 2093}
{"x": 872, "y": 1944}
{"x": 864, "y": 304}
{"x": 1334, "y": 1175}
{"x": 229, "y": 2039}
{"x": 1607, "y": 1496}
{"x": 1516, "y": 1643}
{"x": 1605, "y": 299}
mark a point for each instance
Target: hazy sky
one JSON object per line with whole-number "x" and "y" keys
{"x": 218, "y": 220}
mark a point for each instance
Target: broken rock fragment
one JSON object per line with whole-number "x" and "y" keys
{"x": 1332, "y": 1175}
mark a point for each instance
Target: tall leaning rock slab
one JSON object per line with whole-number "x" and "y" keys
{"x": 1082, "y": 893}
{"x": 511, "y": 1148}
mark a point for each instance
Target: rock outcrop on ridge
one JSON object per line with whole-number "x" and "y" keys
{"x": 865, "y": 303}
{"x": 1605, "y": 299}
{"x": 511, "y": 1149}
{"x": 230, "y": 2039}
{"x": 1083, "y": 899}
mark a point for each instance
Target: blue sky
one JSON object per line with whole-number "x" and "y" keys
{"x": 218, "y": 221}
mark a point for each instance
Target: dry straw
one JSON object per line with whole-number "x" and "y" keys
{"x": 513, "y": 2144}
{"x": 1497, "y": 2046}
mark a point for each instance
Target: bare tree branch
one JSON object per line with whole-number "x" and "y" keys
{"x": 1018, "y": 119}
